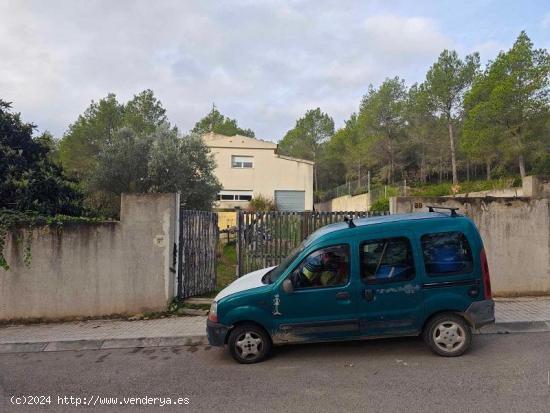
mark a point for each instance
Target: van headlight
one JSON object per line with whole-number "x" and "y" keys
{"x": 213, "y": 313}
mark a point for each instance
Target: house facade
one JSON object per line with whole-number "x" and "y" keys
{"x": 248, "y": 167}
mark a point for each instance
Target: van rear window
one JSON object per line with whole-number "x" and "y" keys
{"x": 446, "y": 253}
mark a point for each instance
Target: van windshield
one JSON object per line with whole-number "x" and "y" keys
{"x": 276, "y": 272}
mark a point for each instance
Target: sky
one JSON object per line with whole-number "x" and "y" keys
{"x": 264, "y": 63}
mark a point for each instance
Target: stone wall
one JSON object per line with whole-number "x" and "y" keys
{"x": 95, "y": 269}
{"x": 515, "y": 233}
{"x": 345, "y": 203}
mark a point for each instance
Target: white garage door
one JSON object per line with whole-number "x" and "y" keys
{"x": 290, "y": 200}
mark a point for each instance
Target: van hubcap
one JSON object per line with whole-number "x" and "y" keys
{"x": 449, "y": 336}
{"x": 249, "y": 345}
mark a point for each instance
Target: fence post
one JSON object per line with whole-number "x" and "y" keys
{"x": 305, "y": 224}
{"x": 368, "y": 181}
{"x": 240, "y": 235}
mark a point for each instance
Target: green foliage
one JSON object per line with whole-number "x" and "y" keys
{"x": 261, "y": 203}
{"x": 215, "y": 122}
{"x": 381, "y": 126}
{"x": 380, "y": 205}
{"x": 446, "y": 82}
{"x": 308, "y": 138}
{"x": 446, "y": 188}
{"x": 29, "y": 179}
{"x": 158, "y": 162}
{"x": 183, "y": 164}
{"x": 507, "y": 110}
{"x": 98, "y": 125}
{"x": 458, "y": 123}
{"x": 226, "y": 267}
{"x": 114, "y": 148}
{"x": 304, "y": 140}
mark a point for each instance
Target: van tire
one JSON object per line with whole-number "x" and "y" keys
{"x": 448, "y": 335}
{"x": 249, "y": 343}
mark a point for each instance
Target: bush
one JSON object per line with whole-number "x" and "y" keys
{"x": 261, "y": 203}
{"x": 381, "y": 205}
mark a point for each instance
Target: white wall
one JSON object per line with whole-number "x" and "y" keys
{"x": 95, "y": 269}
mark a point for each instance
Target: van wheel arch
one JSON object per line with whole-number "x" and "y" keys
{"x": 438, "y": 313}
{"x": 240, "y": 323}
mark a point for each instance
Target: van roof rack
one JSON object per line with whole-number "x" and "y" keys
{"x": 349, "y": 221}
{"x": 452, "y": 209}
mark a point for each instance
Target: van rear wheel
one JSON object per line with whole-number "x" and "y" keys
{"x": 448, "y": 335}
{"x": 249, "y": 343}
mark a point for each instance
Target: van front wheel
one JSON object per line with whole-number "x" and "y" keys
{"x": 249, "y": 343}
{"x": 448, "y": 335}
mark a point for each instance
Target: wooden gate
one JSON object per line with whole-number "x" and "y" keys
{"x": 266, "y": 238}
{"x": 197, "y": 253}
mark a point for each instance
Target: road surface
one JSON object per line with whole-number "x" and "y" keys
{"x": 502, "y": 373}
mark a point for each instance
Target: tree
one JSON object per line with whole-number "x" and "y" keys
{"x": 381, "y": 121}
{"x": 82, "y": 141}
{"x": 446, "y": 82}
{"x": 348, "y": 146}
{"x": 215, "y": 122}
{"x": 425, "y": 151}
{"x": 144, "y": 113}
{"x": 482, "y": 138}
{"x": 157, "y": 162}
{"x": 305, "y": 140}
{"x": 122, "y": 163}
{"x": 85, "y": 138}
{"x": 183, "y": 164}
{"x": 508, "y": 107}
{"x": 29, "y": 179}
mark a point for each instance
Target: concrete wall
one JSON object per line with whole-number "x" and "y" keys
{"x": 271, "y": 172}
{"x": 95, "y": 269}
{"x": 345, "y": 203}
{"x": 515, "y": 233}
{"x": 495, "y": 193}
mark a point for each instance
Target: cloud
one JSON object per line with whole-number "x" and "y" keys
{"x": 264, "y": 63}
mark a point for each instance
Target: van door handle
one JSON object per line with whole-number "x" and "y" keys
{"x": 368, "y": 295}
{"x": 342, "y": 295}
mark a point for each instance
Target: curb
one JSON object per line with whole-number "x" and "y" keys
{"x": 197, "y": 340}
{"x": 77, "y": 345}
{"x": 512, "y": 327}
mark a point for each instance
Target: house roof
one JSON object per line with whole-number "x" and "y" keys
{"x": 216, "y": 140}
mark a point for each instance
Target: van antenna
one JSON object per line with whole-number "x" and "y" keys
{"x": 349, "y": 221}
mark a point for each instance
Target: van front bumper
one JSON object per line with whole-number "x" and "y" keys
{"x": 216, "y": 333}
{"x": 480, "y": 313}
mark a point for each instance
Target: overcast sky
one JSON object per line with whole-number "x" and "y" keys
{"x": 262, "y": 62}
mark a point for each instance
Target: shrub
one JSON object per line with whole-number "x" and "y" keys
{"x": 381, "y": 205}
{"x": 261, "y": 203}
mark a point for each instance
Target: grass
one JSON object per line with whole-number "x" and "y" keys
{"x": 227, "y": 266}
{"x": 464, "y": 187}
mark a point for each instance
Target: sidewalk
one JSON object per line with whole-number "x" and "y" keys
{"x": 512, "y": 316}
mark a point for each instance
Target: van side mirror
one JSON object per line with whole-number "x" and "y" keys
{"x": 288, "y": 287}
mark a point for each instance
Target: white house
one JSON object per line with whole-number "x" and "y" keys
{"x": 248, "y": 167}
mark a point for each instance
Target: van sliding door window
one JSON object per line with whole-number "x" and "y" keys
{"x": 387, "y": 260}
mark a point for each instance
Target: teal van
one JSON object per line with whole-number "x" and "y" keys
{"x": 395, "y": 275}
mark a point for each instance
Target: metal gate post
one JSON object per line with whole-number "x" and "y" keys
{"x": 180, "y": 256}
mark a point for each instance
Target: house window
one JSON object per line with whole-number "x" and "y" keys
{"x": 242, "y": 162}
{"x": 235, "y": 195}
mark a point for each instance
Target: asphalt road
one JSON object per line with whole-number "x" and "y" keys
{"x": 502, "y": 373}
